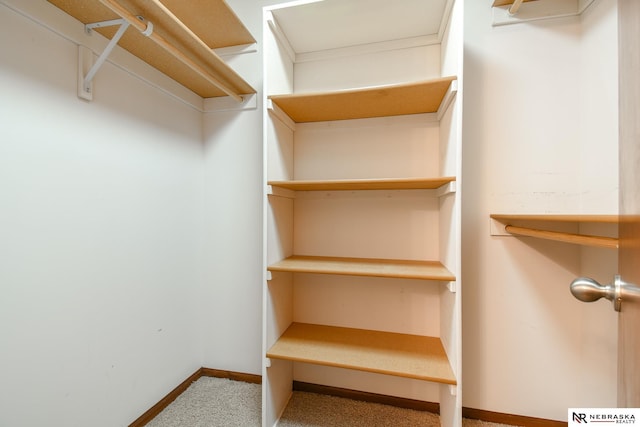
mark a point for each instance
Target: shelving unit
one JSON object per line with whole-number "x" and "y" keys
{"x": 189, "y": 30}
{"x": 362, "y": 203}
{"x": 521, "y": 225}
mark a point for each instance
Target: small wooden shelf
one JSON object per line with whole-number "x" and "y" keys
{"x": 411, "y": 98}
{"x": 516, "y": 225}
{"x": 208, "y": 24}
{"x": 409, "y": 356}
{"x": 364, "y": 184}
{"x": 497, "y": 3}
{"x": 404, "y": 269}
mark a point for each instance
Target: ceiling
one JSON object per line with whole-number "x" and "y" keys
{"x": 331, "y": 24}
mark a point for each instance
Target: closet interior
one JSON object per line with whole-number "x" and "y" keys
{"x": 362, "y": 111}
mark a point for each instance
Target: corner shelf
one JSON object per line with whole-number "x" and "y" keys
{"x": 516, "y": 225}
{"x": 404, "y": 269}
{"x": 364, "y": 184}
{"x": 404, "y": 355}
{"x": 193, "y": 29}
{"x": 412, "y": 98}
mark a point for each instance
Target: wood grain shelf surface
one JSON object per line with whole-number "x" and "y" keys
{"x": 520, "y": 228}
{"x": 372, "y": 267}
{"x": 410, "y": 98}
{"x": 497, "y": 3}
{"x": 404, "y": 355}
{"x": 364, "y": 184}
{"x": 212, "y": 22}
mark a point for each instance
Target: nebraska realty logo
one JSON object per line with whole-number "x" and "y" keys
{"x": 602, "y": 416}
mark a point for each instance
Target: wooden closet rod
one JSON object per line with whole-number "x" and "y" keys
{"x": 515, "y": 6}
{"x": 580, "y": 239}
{"x": 162, "y": 42}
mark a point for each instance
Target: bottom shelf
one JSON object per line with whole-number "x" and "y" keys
{"x": 403, "y": 355}
{"x": 425, "y": 270}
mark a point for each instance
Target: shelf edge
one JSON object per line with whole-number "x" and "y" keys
{"x": 438, "y": 184}
{"x": 327, "y": 265}
{"x": 300, "y": 111}
{"x": 374, "y": 351}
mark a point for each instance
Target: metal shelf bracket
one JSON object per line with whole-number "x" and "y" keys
{"x": 85, "y": 57}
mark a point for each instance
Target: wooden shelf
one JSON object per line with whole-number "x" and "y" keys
{"x": 364, "y": 184}
{"x": 409, "y": 356}
{"x": 513, "y": 224}
{"x": 411, "y": 98}
{"x": 208, "y": 24}
{"x": 404, "y": 269}
{"x": 497, "y": 3}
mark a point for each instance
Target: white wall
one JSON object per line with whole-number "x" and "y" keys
{"x": 539, "y": 137}
{"x": 231, "y": 297}
{"x": 102, "y": 214}
{"x": 100, "y": 209}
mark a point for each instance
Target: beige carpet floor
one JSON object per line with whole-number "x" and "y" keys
{"x": 216, "y": 402}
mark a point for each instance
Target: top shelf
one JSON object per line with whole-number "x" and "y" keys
{"x": 200, "y": 26}
{"x": 410, "y": 98}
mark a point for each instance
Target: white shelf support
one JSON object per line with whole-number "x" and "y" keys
{"x": 452, "y": 286}
{"x": 85, "y": 86}
{"x": 226, "y": 103}
{"x": 277, "y": 113}
{"x": 284, "y": 42}
{"x": 280, "y": 192}
{"x": 446, "y": 189}
{"x": 447, "y": 99}
{"x": 101, "y": 24}
{"x": 453, "y": 390}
